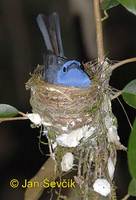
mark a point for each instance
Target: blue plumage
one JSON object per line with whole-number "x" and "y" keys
{"x": 58, "y": 70}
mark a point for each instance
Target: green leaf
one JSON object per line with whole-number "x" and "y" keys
{"x": 130, "y": 5}
{"x": 129, "y": 93}
{"x": 7, "y": 111}
{"x": 107, "y": 4}
{"x": 132, "y": 151}
{"x": 132, "y": 187}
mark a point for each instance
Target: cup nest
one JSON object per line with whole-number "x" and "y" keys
{"x": 63, "y": 108}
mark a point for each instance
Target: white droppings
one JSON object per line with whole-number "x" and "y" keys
{"x": 67, "y": 162}
{"x": 69, "y": 140}
{"x": 35, "y": 118}
{"x": 113, "y": 135}
{"x": 111, "y": 168}
{"x": 72, "y": 139}
{"x": 102, "y": 186}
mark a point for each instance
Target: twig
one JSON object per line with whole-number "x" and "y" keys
{"x": 5, "y": 119}
{"x": 13, "y": 119}
{"x": 125, "y": 113}
{"x": 123, "y": 62}
{"x": 21, "y": 113}
{"x": 126, "y": 197}
{"x": 105, "y": 16}
{"x": 46, "y": 172}
{"x": 117, "y": 94}
{"x": 99, "y": 32}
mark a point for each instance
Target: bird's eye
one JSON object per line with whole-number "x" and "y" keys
{"x": 82, "y": 67}
{"x": 64, "y": 69}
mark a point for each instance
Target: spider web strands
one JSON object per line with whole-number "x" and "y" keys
{"x": 125, "y": 113}
{"x": 95, "y": 63}
{"x": 111, "y": 64}
{"x": 40, "y": 142}
{"x": 111, "y": 90}
{"x": 114, "y": 92}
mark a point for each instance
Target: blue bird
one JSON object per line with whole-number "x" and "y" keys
{"x": 59, "y": 70}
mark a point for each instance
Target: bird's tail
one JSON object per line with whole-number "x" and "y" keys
{"x": 50, "y": 29}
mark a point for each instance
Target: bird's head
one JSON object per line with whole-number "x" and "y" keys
{"x": 72, "y": 74}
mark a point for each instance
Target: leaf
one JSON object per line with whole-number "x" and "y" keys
{"x": 7, "y": 111}
{"x": 130, "y": 5}
{"x": 107, "y": 4}
{"x": 132, "y": 151}
{"x": 129, "y": 93}
{"x": 132, "y": 187}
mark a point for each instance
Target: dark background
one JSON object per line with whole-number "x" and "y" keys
{"x": 21, "y": 49}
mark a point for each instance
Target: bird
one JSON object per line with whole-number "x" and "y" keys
{"x": 58, "y": 69}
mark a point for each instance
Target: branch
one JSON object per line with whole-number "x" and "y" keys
{"x": 123, "y": 62}
{"x": 13, "y": 119}
{"x": 99, "y": 32}
{"x": 47, "y": 171}
{"x": 117, "y": 94}
{"x": 126, "y": 197}
{"x": 23, "y": 114}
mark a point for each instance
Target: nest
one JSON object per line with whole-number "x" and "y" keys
{"x": 62, "y": 108}
{"x": 84, "y": 126}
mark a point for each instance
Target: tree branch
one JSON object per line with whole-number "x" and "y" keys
{"x": 123, "y": 62}
{"x": 47, "y": 171}
{"x": 13, "y": 119}
{"x": 126, "y": 197}
{"x": 99, "y": 32}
